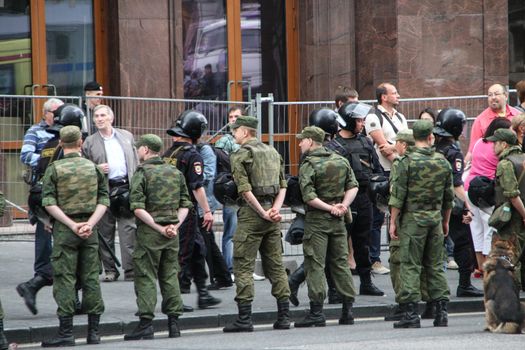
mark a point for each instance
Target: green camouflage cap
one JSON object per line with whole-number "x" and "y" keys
{"x": 70, "y": 134}
{"x": 153, "y": 142}
{"x": 422, "y": 129}
{"x": 312, "y": 132}
{"x": 407, "y": 136}
{"x": 506, "y": 135}
{"x": 245, "y": 120}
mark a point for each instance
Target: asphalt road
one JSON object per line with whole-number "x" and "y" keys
{"x": 465, "y": 331}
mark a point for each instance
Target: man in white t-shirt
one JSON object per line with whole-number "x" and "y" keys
{"x": 383, "y": 126}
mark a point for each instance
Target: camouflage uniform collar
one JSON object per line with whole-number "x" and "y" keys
{"x": 423, "y": 150}
{"x": 72, "y": 155}
{"x": 154, "y": 160}
{"x": 509, "y": 151}
{"x": 319, "y": 152}
{"x": 251, "y": 141}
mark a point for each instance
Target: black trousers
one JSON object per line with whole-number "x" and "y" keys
{"x": 216, "y": 264}
{"x": 192, "y": 252}
{"x": 463, "y": 246}
{"x": 359, "y": 231}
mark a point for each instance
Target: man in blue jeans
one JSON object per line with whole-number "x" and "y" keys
{"x": 34, "y": 141}
{"x": 229, "y": 215}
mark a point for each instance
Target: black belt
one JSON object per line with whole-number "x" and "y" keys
{"x": 119, "y": 181}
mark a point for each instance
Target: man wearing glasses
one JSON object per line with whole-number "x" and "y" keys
{"x": 497, "y": 98}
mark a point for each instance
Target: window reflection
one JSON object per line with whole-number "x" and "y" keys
{"x": 70, "y": 47}
{"x": 15, "y": 47}
{"x": 516, "y": 35}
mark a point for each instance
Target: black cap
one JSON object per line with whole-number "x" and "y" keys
{"x": 93, "y": 86}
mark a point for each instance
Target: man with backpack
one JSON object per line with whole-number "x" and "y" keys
{"x": 383, "y": 126}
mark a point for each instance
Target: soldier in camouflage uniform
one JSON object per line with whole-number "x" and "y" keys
{"x": 508, "y": 189}
{"x": 417, "y": 200}
{"x": 3, "y": 341}
{"x": 328, "y": 187}
{"x": 75, "y": 194}
{"x": 160, "y": 200}
{"x": 258, "y": 171}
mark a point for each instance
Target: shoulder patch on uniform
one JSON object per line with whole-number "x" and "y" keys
{"x": 373, "y": 124}
{"x": 458, "y": 165}
{"x": 197, "y": 167}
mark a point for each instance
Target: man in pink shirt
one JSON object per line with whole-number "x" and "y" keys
{"x": 498, "y": 107}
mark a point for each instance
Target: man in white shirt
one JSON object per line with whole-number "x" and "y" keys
{"x": 383, "y": 126}
{"x": 114, "y": 151}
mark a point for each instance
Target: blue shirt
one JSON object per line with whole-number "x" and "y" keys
{"x": 34, "y": 141}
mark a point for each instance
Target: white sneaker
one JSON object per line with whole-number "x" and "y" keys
{"x": 451, "y": 264}
{"x": 256, "y": 277}
{"x": 379, "y": 269}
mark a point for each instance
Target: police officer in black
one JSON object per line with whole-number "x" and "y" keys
{"x": 358, "y": 149}
{"x": 449, "y": 126}
{"x": 325, "y": 119}
{"x": 188, "y": 127}
{"x": 67, "y": 114}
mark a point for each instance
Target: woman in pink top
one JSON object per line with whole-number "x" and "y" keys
{"x": 484, "y": 163}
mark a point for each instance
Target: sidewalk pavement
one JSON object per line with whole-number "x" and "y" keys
{"x": 23, "y": 327}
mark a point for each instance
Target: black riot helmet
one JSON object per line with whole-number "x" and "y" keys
{"x": 449, "y": 123}
{"x": 190, "y": 124}
{"x": 67, "y": 114}
{"x": 225, "y": 189}
{"x": 324, "y": 118}
{"x": 293, "y": 195}
{"x": 379, "y": 192}
{"x": 481, "y": 192}
{"x": 349, "y": 112}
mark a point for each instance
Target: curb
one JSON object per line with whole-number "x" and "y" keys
{"x": 332, "y": 312}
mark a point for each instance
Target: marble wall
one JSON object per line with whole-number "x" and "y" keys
{"x": 425, "y": 47}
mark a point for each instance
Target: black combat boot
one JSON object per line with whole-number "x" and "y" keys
{"x": 465, "y": 287}
{"x": 410, "y": 318}
{"x": 395, "y": 314}
{"x": 173, "y": 326}
{"x": 243, "y": 323}
{"x": 92, "y": 336}
{"x": 346, "y": 313}
{"x": 294, "y": 281}
{"x": 441, "y": 319}
{"x": 29, "y": 289}
{"x": 144, "y": 330}
{"x": 64, "y": 336}
{"x": 4, "y": 345}
{"x": 205, "y": 299}
{"x": 430, "y": 311}
{"x": 283, "y": 315}
{"x": 315, "y": 317}
{"x": 187, "y": 308}
{"x": 367, "y": 287}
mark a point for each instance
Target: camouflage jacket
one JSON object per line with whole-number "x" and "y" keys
{"x": 247, "y": 170}
{"x": 506, "y": 178}
{"x": 422, "y": 185}
{"x": 325, "y": 175}
{"x": 160, "y": 189}
{"x": 75, "y": 184}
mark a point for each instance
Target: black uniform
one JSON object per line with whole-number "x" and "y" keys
{"x": 459, "y": 232}
{"x": 192, "y": 253}
{"x": 363, "y": 160}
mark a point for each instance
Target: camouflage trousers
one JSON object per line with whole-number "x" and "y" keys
{"x": 394, "y": 263}
{"x": 421, "y": 249}
{"x": 73, "y": 256}
{"x": 156, "y": 256}
{"x": 326, "y": 235}
{"x": 254, "y": 234}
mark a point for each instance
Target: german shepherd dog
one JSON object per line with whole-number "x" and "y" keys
{"x": 504, "y": 313}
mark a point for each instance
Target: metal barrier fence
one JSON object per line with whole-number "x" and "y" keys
{"x": 280, "y": 121}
